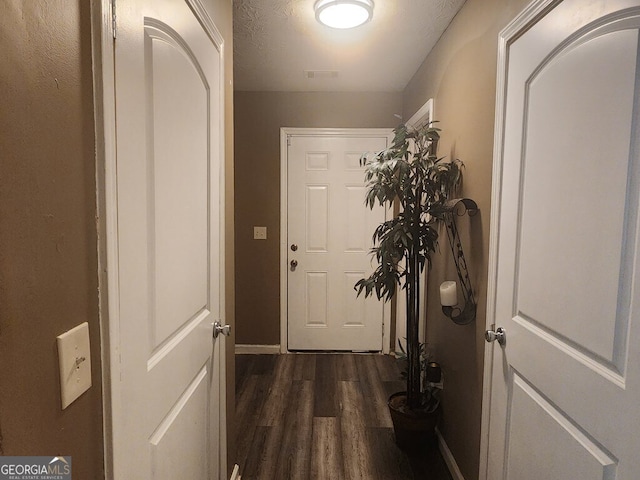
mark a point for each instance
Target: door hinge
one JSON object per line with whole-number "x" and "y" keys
{"x": 288, "y": 140}
{"x": 113, "y": 18}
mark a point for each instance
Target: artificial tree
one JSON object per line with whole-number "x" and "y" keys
{"x": 410, "y": 173}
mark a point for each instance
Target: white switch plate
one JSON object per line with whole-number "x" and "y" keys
{"x": 74, "y": 357}
{"x": 259, "y": 233}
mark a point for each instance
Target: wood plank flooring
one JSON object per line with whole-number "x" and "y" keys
{"x": 322, "y": 417}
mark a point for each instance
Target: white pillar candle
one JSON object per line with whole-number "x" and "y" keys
{"x": 448, "y": 293}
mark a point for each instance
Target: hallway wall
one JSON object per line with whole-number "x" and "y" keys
{"x": 460, "y": 74}
{"x": 48, "y": 245}
{"x": 258, "y": 118}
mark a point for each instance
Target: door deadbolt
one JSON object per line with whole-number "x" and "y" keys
{"x": 294, "y": 247}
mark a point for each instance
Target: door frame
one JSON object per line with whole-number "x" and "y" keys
{"x": 103, "y": 59}
{"x": 285, "y": 133}
{"x": 521, "y": 23}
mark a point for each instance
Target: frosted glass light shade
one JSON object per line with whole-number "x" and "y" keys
{"x": 343, "y": 13}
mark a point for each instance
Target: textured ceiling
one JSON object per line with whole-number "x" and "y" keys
{"x": 276, "y": 41}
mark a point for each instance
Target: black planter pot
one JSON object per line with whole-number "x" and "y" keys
{"x": 415, "y": 431}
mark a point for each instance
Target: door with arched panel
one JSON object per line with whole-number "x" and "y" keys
{"x": 565, "y": 386}
{"x": 166, "y": 391}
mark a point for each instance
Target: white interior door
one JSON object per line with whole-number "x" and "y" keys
{"x": 565, "y": 388}
{"x": 329, "y": 239}
{"x": 167, "y": 381}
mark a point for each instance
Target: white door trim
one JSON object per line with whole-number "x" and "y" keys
{"x": 105, "y": 125}
{"x": 107, "y": 208}
{"x": 286, "y": 132}
{"x": 510, "y": 33}
{"x": 424, "y": 114}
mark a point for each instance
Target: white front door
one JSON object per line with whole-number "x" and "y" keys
{"x": 166, "y": 391}
{"x": 565, "y": 387}
{"x": 328, "y": 243}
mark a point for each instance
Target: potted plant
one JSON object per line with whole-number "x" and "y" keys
{"x": 416, "y": 429}
{"x": 410, "y": 173}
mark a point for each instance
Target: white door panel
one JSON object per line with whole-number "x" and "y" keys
{"x": 168, "y": 87}
{"x": 565, "y": 388}
{"x": 332, "y": 227}
{"x": 562, "y": 121}
{"x": 533, "y": 421}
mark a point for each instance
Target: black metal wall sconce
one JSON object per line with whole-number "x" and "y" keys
{"x": 448, "y": 289}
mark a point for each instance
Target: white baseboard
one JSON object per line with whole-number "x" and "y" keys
{"x": 235, "y": 475}
{"x": 456, "y": 474}
{"x": 257, "y": 349}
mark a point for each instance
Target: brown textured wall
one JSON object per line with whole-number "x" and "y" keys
{"x": 258, "y": 118}
{"x": 460, "y": 74}
{"x": 221, "y": 13}
{"x": 48, "y": 259}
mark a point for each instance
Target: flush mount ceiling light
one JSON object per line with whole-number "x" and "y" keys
{"x": 343, "y": 13}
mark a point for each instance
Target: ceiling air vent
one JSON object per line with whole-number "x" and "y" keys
{"x": 321, "y": 74}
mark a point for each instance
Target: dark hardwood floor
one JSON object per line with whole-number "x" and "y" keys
{"x": 322, "y": 417}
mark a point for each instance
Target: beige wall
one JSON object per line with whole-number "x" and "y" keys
{"x": 258, "y": 118}
{"x": 460, "y": 74}
{"x": 48, "y": 254}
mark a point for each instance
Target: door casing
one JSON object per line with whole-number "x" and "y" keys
{"x": 103, "y": 53}
{"x": 285, "y": 132}
{"x": 529, "y": 15}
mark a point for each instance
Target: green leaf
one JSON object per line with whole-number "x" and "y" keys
{"x": 410, "y": 173}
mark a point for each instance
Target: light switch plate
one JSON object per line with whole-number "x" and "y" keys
{"x": 74, "y": 357}
{"x": 259, "y": 233}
